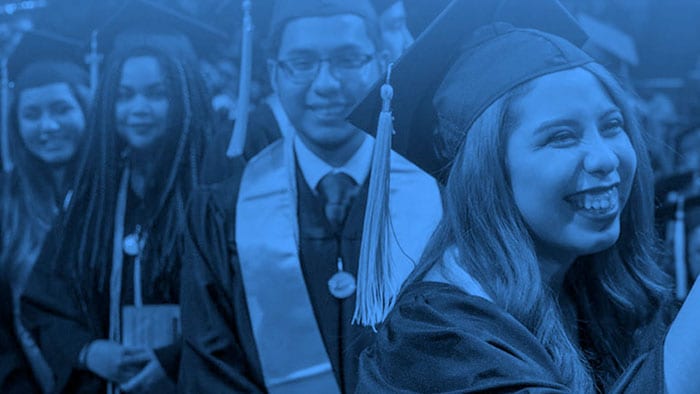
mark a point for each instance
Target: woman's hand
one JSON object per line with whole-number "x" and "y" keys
{"x": 151, "y": 379}
{"x": 115, "y": 362}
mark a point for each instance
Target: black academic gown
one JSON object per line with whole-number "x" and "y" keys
{"x": 219, "y": 354}
{"x": 262, "y": 131}
{"x": 53, "y": 310}
{"x": 439, "y": 339}
{"x": 15, "y": 373}
{"x": 319, "y": 251}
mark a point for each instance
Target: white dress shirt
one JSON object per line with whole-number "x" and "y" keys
{"x": 313, "y": 168}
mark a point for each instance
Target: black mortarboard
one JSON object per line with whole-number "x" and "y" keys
{"x": 669, "y": 187}
{"x": 229, "y": 14}
{"x": 146, "y": 23}
{"x": 382, "y": 5}
{"x": 676, "y": 182}
{"x": 285, "y": 10}
{"x": 610, "y": 39}
{"x": 421, "y": 13}
{"x": 43, "y": 57}
{"x": 508, "y": 58}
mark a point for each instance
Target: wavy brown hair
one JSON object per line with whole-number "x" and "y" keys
{"x": 29, "y": 201}
{"x": 617, "y": 291}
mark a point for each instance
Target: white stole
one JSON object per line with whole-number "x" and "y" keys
{"x": 289, "y": 342}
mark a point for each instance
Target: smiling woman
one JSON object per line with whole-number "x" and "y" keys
{"x": 142, "y": 105}
{"x": 46, "y": 137}
{"x": 112, "y": 269}
{"x": 541, "y": 276}
{"x": 570, "y": 164}
{"x": 51, "y": 122}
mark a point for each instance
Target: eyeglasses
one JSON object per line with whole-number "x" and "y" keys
{"x": 304, "y": 69}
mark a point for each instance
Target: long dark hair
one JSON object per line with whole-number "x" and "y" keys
{"x": 617, "y": 291}
{"x": 29, "y": 200}
{"x": 84, "y": 249}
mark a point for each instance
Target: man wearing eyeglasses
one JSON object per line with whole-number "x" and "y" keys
{"x": 269, "y": 286}
{"x": 320, "y": 67}
{"x": 269, "y": 121}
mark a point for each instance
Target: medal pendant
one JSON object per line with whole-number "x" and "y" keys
{"x": 341, "y": 285}
{"x": 131, "y": 244}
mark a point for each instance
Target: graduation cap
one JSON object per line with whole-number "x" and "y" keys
{"x": 383, "y": 5}
{"x": 285, "y": 10}
{"x": 669, "y": 187}
{"x": 610, "y": 39}
{"x": 140, "y": 23}
{"x": 471, "y": 55}
{"x": 41, "y": 58}
{"x": 423, "y": 67}
{"x": 421, "y": 13}
{"x": 673, "y": 182}
{"x": 228, "y": 15}
{"x": 60, "y": 57}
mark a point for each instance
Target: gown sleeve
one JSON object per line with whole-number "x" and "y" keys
{"x": 218, "y": 356}
{"x": 441, "y": 340}
{"x": 51, "y": 311}
{"x": 644, "y": 375}
{"x": 15, "y": 372}
{"x": 263, "y": 130}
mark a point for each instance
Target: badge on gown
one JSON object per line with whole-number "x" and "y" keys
{"x": 342, "y": 284}
{"x": 133, "y": 243}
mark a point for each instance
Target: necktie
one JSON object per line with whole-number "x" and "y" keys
{"x": 337, "y": 192}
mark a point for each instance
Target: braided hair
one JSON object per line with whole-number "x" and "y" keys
{"x": 82, "y": 246}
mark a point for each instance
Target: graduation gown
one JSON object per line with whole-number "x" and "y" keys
{"x": 26, "y": 215}
{"x": 441, "y": 339}
{"x": 15, "y": 372}
{"x": 263, "y": 130}
{"x": 219, "y": 353}
{"x": 53, "y": 308}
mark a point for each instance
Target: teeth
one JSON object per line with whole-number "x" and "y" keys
{"x": 596, "y": 201}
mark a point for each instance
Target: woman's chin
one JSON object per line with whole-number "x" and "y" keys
{"x": 142, "y": 144}
{"x": 599, "y": 242}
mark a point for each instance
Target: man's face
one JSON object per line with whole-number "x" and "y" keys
{"x": 324, "y": 66}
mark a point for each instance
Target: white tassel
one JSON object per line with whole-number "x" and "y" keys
{"x": 7, "y": 164}
{"x": 375, "y": 295}
{"x": 238, "y": 136}
{"x": 93, "y": 59}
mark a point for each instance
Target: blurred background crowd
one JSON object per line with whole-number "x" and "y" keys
{"x": 651, "y": 45}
